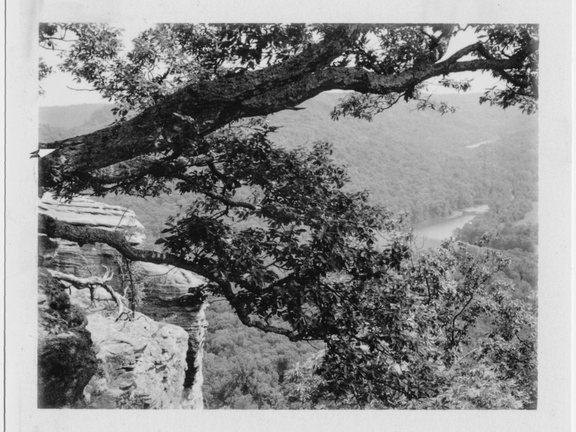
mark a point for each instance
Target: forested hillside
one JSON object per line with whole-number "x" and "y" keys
{"x": 423, "y": 162}
{"x": 419, "y": 162}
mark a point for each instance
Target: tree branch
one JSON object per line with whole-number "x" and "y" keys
{"x": 90, "y": 283}
{"x": 213, "y": 104}
{"x": 83, "y": 235}
{"x": 231, "y": 203}
{"x": 247, "y": 320}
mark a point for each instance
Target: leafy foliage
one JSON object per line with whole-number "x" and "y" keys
{"x": 171, "y": 81}
{"x": 306, "y": 227}
{"x": 509, "y": 41}
{"x": 420, "y": 343}
{"x": 167, "y": 56}
{"x": 275, "y": 230}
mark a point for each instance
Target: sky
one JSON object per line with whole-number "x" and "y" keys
{"x": 58, "y": 87}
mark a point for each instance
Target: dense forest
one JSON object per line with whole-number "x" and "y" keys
{"x": 418, "y": 163}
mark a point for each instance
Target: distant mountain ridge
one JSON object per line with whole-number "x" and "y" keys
{"x": 61, "y": 122}
{"x": 71, "y": 115}
{"x": 461, "y": 125}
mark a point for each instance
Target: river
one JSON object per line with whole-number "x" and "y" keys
{"x": 431, "y": 233}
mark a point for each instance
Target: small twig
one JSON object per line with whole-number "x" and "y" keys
{"x": 77, "y": 89}
{"x": 466, "y": 355}
{"x": 115, "y": 296}
{"x": 90, "y": 283}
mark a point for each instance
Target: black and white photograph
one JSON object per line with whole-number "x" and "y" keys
{"x": 278, "y": 219}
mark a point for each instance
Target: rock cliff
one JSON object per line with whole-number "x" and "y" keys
{"x": 148, "y": 357}
{"x": 141, "y": 362}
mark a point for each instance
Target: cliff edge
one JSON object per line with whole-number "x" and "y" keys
{"x": 134, "y": 339}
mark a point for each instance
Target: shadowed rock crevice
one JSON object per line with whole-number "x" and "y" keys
{"x": 66, "y": 358}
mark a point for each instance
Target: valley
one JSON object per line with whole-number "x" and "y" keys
{"x": 444, "y": 175}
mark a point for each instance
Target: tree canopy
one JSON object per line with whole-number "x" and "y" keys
{"x": 183, "y": 82}
{"x": 273, "y": 230}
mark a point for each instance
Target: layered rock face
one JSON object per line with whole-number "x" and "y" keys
{"x": 169, "y": 294}
{"x": 147, "y": 358}
{"x": 141, "y": 362}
